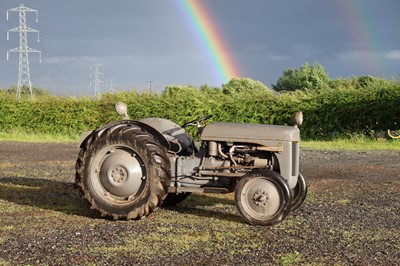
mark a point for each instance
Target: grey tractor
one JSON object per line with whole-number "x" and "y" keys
{"x": 126, "y": 169}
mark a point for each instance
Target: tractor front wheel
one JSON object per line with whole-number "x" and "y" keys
{"x": 299, "y": 192}
{"x": 263, "y": 197}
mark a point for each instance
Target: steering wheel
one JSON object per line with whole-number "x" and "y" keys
{"x": 196, "y": 121}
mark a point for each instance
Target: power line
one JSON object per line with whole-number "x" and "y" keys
{"x": 24, "y": 76}
{"x": 56, "y": 75}
{"x": 63, "y": 69}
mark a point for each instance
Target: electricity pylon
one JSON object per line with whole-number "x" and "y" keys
{"x": 98, "y": 76}
{"x": 24, "y": 75}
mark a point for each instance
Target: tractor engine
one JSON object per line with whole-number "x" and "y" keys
{"x": 218, "y": 164}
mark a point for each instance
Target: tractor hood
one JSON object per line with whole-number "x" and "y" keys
{"x": 245, "y": 133}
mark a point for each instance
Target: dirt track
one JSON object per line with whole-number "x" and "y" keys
{"x": 351, "y": 217}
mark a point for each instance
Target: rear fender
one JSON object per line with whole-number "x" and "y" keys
{"x": 157, "y": 135}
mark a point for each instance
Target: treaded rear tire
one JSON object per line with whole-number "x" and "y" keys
{"x": 122, "y": 172}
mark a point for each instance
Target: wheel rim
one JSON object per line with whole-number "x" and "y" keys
{"x": 261, "y": 198}
{"x": 118, "y": 174}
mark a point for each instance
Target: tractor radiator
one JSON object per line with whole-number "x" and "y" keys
{"x": 295, "y": 158}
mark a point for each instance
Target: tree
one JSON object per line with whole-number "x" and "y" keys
{"x": 239, "y": 85}
{"x": 307, "y": 77}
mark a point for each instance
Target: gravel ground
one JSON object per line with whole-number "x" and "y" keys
{"x": 351, "y": 217}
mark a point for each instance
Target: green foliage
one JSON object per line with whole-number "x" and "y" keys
{"x": 347, "y": 111}
{"x": 243, "y": 85}
{"x": 366, "y": 82}
{"x": 312, "y": 77}
{"x": 345, "y": 108}
{"x": 26, "y": 93}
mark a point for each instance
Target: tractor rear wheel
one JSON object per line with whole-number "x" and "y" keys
{"x": 263, "y": 197}
{"x": 122, "y": 172}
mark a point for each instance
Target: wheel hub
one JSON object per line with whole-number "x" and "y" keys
{"x": 261, "y": 198}
{"x": 121, "y": 173}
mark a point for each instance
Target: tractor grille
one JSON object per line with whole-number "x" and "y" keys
{"x": 295, "y": 158}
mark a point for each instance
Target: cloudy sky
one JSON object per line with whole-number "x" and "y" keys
{"x": 154, "y": 40}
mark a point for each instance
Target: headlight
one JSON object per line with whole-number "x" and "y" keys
{"x": 298, "y": 118}
{"x": 122, "y": 109}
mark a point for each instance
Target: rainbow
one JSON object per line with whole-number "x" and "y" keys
{"x": 211, "y": 39}
{"x": 362, "y": 31}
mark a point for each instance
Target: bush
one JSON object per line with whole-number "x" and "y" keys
{"x": 348, "y": 106}
{"x": 312, "y": 77}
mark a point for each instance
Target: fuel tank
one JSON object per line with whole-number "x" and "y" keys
{"x": 249, "y": 133}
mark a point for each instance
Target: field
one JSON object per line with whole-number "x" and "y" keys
{"x": 351, "y": 216}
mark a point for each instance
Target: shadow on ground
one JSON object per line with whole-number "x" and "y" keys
{"x": 63, "y": 197}
{"x": 44, "y": 194}
{"x": 198, "y": 205}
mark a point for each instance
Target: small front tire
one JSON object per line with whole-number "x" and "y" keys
{"x": 299, "y": 192}
{"x": 263, "y": 197}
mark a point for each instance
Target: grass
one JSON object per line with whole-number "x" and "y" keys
{"x": 354, "y": 143}
{"x": 290, "y": 259}
{"x": 37, "y": 137}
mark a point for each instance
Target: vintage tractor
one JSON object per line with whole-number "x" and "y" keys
{"x": 126, "y": 169}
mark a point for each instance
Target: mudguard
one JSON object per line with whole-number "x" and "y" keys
{"x": 159, "y": 136}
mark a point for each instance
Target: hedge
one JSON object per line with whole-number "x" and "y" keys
{"x": 328, "y": 113}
